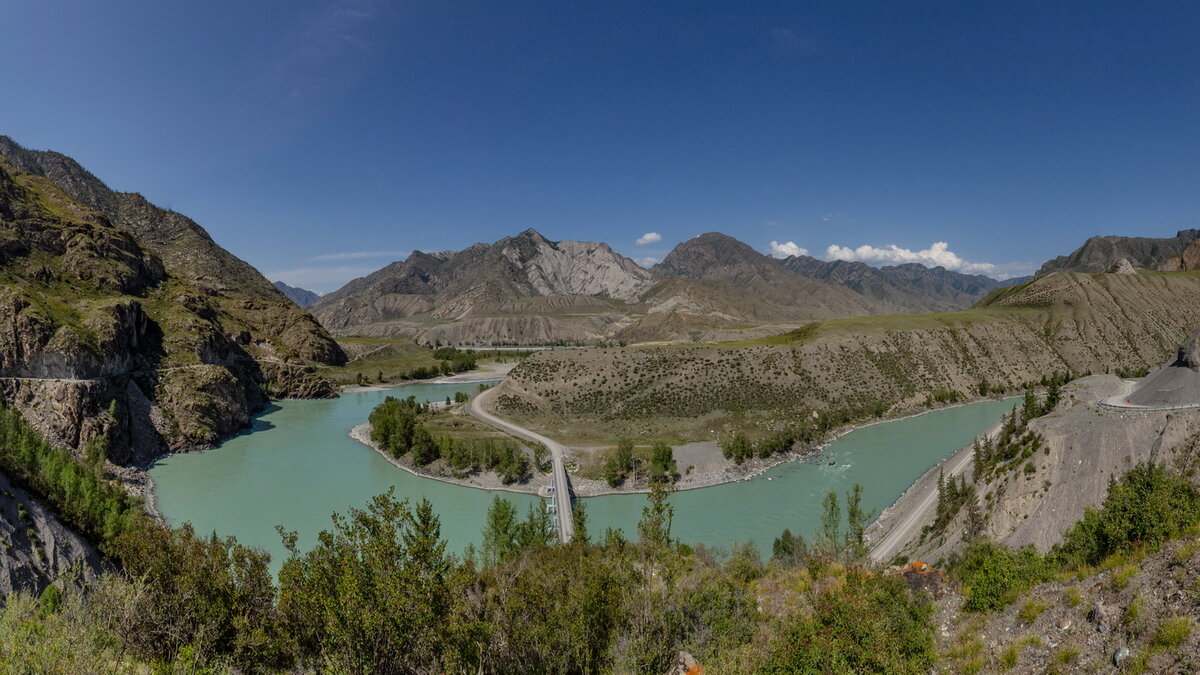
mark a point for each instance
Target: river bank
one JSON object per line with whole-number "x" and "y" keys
{"x": 725, "y": 472}
{"x": 483, "y": 373}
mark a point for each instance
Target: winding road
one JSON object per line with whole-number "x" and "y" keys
{"x": 562, "y": 486}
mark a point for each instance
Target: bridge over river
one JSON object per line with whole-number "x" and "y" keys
{"x": 562, "y": 485}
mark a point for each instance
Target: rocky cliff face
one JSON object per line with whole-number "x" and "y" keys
{"x": 1098, "y": 254}
{"x": 125, "y": 322}
{"x": 1082, "y": 445}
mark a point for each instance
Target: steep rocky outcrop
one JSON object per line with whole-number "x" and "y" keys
{"x": 233, "y": 289}
{"x": 1098, "y": 254}
{"x": 124, "y": 322}
{"x": 1186, "y": 261}
{"x": 303, "y": 298}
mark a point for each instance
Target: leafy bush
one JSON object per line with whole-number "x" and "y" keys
{"x": 994, "y": 575}
{"x": 1148, "y": 505}
{"x": 871, "y": 624}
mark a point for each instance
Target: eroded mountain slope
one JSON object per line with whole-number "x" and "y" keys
{"x": 862, "y": 366}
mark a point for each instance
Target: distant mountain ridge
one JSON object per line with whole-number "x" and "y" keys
{"x": 910, "y": 287}
{"x": 303, "y": 297}
{"x": 527, "y": 289}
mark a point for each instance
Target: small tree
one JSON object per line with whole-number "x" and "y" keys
{"x": 856, "y": 522}
{"x": 662, "y": 462}
{"x": 655, "y": 526}
{"x": 829, "y": 535}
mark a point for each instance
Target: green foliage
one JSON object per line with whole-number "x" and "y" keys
{"x": 1148, "y": 505}
{"x": 78, "y": 491}
{"x": 505, "y": 537}
{"x": 1031, "y": 610}
{"x": 856, "y": 523}
{"x": 210, "y": 594}
{"x": 1173, "y": 632}
{"x": 789, "y": 549}
{"x": 829, "y": 534}
{"x": 994, "y": 575}
{"x": 662, "y": 462}
{"x": 870, "y": 624}
{"x": 952, "y": 496}
{"x": 396, "y": 426}
{"x": 738, "y": 448}
{"x": 374, "y": 594}
{"x": 554, "y": 610}
{"x": 655, "y": 526}
{"x": 1013, "y": 445}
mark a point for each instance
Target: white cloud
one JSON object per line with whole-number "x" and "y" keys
{"x": 937, "y": 255}
{"x": 646, "y": 261}
{"x": 779, "y": 250}
{"x": 360, "y": 255}
{"x": 649, "y": 238}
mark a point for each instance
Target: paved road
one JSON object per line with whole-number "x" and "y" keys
{"x": 912, "y": 522}
{"x": 562, "y": 487}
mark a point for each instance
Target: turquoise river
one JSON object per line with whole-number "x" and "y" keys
{"x": 297, "y": 465}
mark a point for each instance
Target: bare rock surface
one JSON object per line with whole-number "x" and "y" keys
{"x": 36, "y": 548}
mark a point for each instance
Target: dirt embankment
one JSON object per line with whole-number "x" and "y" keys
{"x": 1084, "y": 443}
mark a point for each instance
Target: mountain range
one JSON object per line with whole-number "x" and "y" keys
{"x": 527, "y": 289}
{"x": 303, "y": 297}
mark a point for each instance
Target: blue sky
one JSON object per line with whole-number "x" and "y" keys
{"x": 321, "y": 140}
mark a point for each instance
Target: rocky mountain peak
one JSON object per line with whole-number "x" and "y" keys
{"x": 716, "y": 256}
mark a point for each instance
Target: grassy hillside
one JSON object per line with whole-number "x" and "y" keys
{"x": 859, "y": 367}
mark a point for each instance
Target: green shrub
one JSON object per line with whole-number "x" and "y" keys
{"x": 1031, "y": 610}
{"x": 1173, "y": 632}
{"x": 994, "y": 575}
{"x": 1145, "y": 507}
{"x": 870, "y": 624}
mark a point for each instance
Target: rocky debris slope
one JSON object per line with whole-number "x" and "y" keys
{"x": 1080, "y": 446}
{"x": 35, "y": 547}
{"x": 1140, "y": 617}
{"x": 166, "y": 345}
{"x": 1059, "y": 323}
